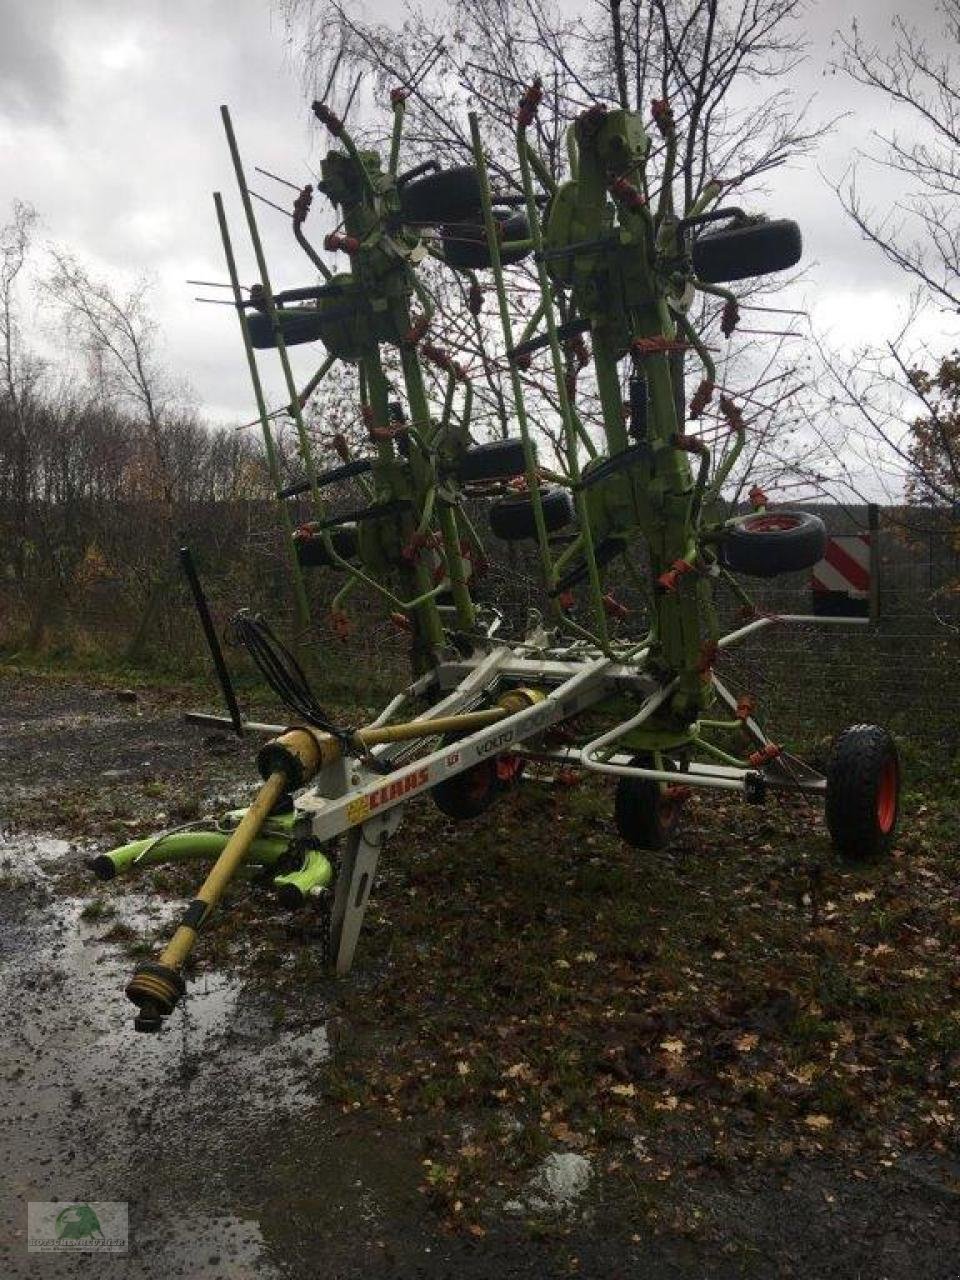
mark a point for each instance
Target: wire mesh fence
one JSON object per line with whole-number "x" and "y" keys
{"x": 808, "y": 680}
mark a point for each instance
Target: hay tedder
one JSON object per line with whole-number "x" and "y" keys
{"x": 614, "y": 264}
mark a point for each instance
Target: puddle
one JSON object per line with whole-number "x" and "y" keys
{"x": 206, "y": 1247}
{"x": 39, "y": 857}
{"x": 222, "y": 1030}
{"x": 85, "y": 1096}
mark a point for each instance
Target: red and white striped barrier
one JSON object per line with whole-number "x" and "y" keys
{"x": 841, "y": 580}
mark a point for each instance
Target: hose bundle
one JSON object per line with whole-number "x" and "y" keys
{"x": 284, "y": 674}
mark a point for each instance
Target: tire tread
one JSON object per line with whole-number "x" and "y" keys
{"x": 853, "y": 772}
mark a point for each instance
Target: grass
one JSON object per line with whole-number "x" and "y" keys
{"x": 98, "y": 909}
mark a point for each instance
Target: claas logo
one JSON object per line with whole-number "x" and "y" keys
{"x": 373, "y": 800}
{"x": 400, "y": 787}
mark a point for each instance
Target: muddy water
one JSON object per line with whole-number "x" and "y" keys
{"x": 213, "y": 1132}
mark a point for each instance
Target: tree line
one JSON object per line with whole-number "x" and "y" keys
{"x": 106, "y": 465}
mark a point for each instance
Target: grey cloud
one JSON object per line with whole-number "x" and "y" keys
{"x": 31, "y": 65}
{"x": 121, "y": 158}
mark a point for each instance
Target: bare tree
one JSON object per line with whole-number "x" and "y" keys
{"x": 896, "y": 401}
{"x": 19, "y": 374}
{"x": 15, "y": 239}
{"x": 121, "y": 341}
{"x": 920, "y": 232}
{"x": 722, "y": 65}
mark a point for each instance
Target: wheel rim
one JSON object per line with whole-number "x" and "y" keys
{"x": 887, "y": 795}
{"x": 509, "y": 767}
{"x": 774, "y": 523}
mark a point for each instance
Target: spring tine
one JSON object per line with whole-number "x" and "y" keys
{"x": 286, "y": 182}
{"x": 286, "y": 212}
{"x": 333, "y": 74}
{"x": 426, "y": 64}
{"x": 356, "y": 86}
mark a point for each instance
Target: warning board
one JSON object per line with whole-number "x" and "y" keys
{"x": 841, "y": 580}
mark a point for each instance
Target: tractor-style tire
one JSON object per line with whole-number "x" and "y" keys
{"x": 512, "y": 518}
{"x": 471, "y": 793}
{"x": 863, "y": 792}
{"x": 741, "y": 252}
{"x": 774, "y": 542}
{"x": 306, "y": 325}
{"x": 495, "y": 460}
{"x": 452, "y": 195}
{"x": 645, "y": 815}
{"x": 312, "y": 554}
{"x": 465, "y": 243}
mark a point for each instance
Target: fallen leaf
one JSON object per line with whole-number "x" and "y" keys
{"x": 804, "y": 1073}
{"x": 672, "y": 1046}
{"x": 624, "y": 1090}
{"x": 563, "y": 1133}
{"x": 817, "y": 1122}
{"x": 747, "y": 1042}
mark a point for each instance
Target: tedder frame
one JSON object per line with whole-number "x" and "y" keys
{"x": 613, "y": 261}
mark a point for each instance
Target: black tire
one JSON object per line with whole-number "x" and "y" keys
{"x": 741, "y": 252}
{"x": 512, "y": 518}
{"x": 863, "y": 792}
{"x": 774, "y": 542}
{"x": 306, "y": 326}
{"x": 312, "y": 554}
{"x": 452, "y": 195}
{"x": 496, "y": 460}
{"x": 644, "y": 814}
{"x": 465, "y": 243}
{"x": 471, "y": 793}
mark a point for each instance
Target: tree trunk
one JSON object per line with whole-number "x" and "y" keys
{"x": 156, "y": 601}
{"x": 46, "y": 610}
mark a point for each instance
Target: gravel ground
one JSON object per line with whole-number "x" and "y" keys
{"x": 220, "y": 1134}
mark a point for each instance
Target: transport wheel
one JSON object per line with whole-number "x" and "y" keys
{"x": 647, "y": 815}
{"x": 465, "y": 243}
{"x": 452, "y": 195}
{"x": 469, "y": 794}
{"x": 306, "y": 326}
{"x": 311, "y": 552}
{"x": 496, "y": 460}
{"x": 773, "y": 542}
{"x": 740, "y": 252}
{"x": 512, "y": 518}
{"x": 863, "y": 792}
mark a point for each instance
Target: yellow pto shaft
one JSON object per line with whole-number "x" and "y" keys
{"x": 286, "y": 763}
{"x": 157, "y": 985}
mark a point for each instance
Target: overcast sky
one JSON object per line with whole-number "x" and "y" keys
{"x": 109, "y": 126}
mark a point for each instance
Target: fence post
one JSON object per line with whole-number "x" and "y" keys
{"x": 873, "y": 523}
